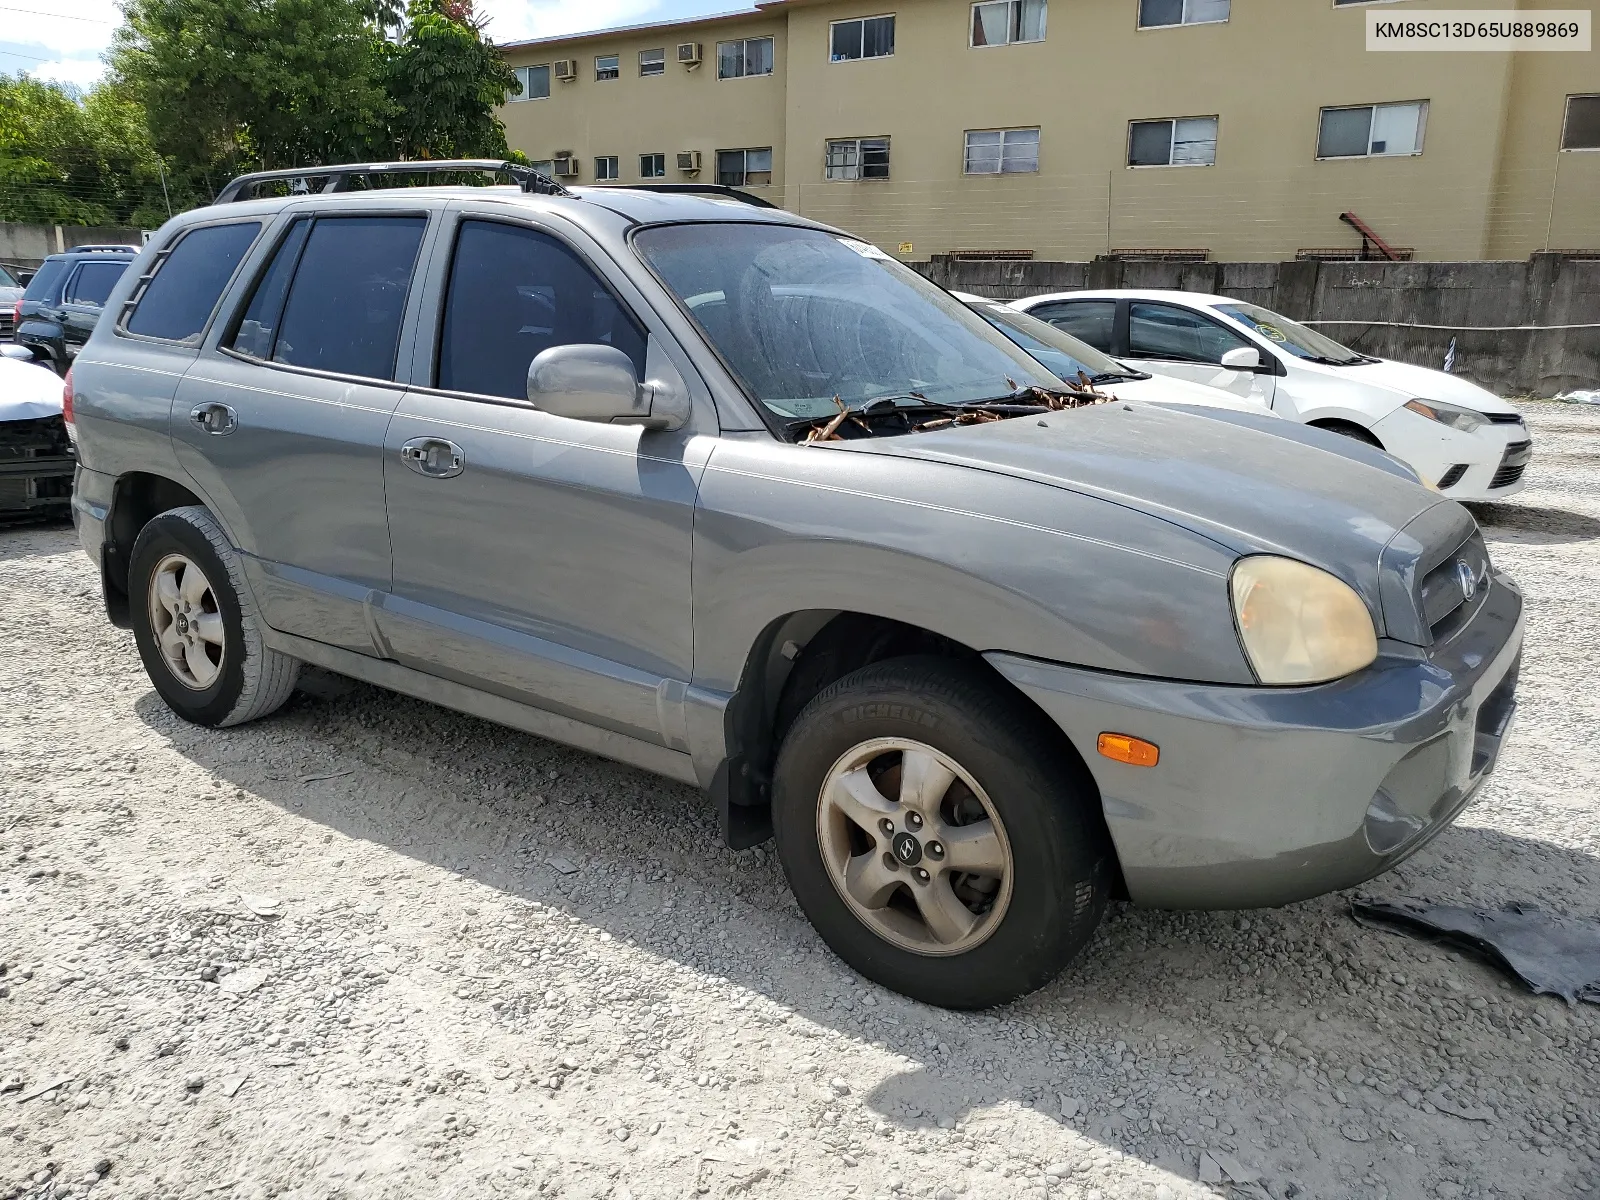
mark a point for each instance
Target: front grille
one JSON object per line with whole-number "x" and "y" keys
{"x": 1503, "y": 418}
{"x": 1453, "y": 476}
{"x": 7, "y": 325}
{"x": 1512, "y": 464}
{"x": 1447, "y": 589}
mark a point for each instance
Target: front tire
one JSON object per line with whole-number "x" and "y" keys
{"x": 196, "y": 624}
{"x": 937, "y": 834}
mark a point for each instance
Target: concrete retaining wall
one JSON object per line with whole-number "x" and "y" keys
{"x": 1464, "y": 297}
{"x": 27, "y": 245}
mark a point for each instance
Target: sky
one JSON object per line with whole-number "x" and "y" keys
{"x": 64, "y": 39}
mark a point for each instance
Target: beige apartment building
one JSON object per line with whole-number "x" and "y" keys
{"x": 1066, "y": 129}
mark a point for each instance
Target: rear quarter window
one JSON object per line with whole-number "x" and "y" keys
{"x": 189, "y": 281}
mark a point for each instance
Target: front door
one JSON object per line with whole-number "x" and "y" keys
{"x": 1167, "y": 339}
{"x": 540, "y": 557}
{"x": 282, "y": 424}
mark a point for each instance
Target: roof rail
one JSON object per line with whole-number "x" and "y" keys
{"x": 337, "y": 177}
{"x": 99, "y": 248}
{"x": 704, "y": 189}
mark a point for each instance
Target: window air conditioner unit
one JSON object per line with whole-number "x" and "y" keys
{"x": 564, "y": 166}
{"x": 689, "y": 53}
{"x": 689, "y": 160}
{"x": 566, "y": 68}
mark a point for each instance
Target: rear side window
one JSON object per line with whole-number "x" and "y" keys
{"x": 179, "y": 300}
{"x": 92, "y": 282}
{"x": 44, "y": 282}
{"x": 514, "y": 293}
{"x": 346, "y": 299}
{"x": 1087, "y": 320}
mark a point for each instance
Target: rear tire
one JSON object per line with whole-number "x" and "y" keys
{"x": 896, "y": 778}
{"x": 196, "y": 624}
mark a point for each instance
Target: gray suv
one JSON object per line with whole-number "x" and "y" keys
{"x": 733, "y": 497}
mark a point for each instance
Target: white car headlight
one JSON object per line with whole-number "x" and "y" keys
{"x": 1299, "y": 624}
{"x": 1463, "y": 419}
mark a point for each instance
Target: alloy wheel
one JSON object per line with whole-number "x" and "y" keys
{"x": 186, "y": 622}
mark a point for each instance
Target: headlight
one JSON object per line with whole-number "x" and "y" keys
{"x": 1299, "y": 624}
{"x": 1463, "y": 419}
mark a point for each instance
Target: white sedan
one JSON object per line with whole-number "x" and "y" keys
{"x": 1461, "y": 439}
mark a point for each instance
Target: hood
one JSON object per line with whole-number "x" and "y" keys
{"x": 1423, "y": 383}
{"x": 1165, "y": 389}
{"x": 28, "y": 392}
{"x": 1245, "y": 489}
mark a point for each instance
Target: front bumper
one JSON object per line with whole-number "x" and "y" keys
{"x": 1263, "y": 796}
{"x": 1486, "y": 464}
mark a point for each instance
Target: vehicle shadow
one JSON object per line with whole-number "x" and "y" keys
{"x": 15, "y": 531}
{"x": 1532, "y": 524}
{"x": 1160, "y": 1041}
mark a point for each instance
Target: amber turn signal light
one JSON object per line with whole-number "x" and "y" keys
{"x": 1136, "y": 752}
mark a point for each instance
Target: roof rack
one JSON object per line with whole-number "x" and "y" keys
{"x": 703, "y": 189}
{"x": 98, "y": 249}
{"x": 337, "y": 177}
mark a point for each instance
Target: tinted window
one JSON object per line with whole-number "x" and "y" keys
{"x": 1067, "y": 356}
{"x": 349, "y": 295}
{"x": 43, "y": 284}
{"x": 1087, "y": 320}
{"x": 94, "y": 281}
{"x": 514, "y": 293}
{"x": 178, "y": 302}
{"x": 6, "y": 278}
{"x": 260, "y": 324}
{"x": 1165, "y": 331}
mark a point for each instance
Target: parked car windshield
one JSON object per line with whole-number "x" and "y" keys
{"x": 803, "y": 316}
{"x": 7, "y": 279}
{"x": 1060, "y": 351}
{"x": 1296, "y": 339}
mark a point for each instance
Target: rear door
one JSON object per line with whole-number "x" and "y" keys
{"x": 281, "y": 420}
{"x": 1169, "y": 339}
{"x": 84, "y": 298}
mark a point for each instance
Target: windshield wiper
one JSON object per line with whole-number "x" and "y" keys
{"x": 1339, "y": 362}
{"x": 1117, "y": 376}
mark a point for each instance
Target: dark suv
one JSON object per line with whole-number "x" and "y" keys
{"x": 58, "y": 311}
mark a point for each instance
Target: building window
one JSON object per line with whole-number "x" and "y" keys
{"x": 545, "y": 166}
{"x": 1372, "y": 130}
{"x": 606, "y": 168}
{"x": 652, "y": 62}
{"x": 1582, "y": 128}
{"x": 745, "y": 168}
{"x": 652, "y": 166}
{"x": 1155, "y": 14}
{"x": 752, "y": 56}
{"x": 1002, "y": 151}
{"x": 864, "y": 37}
{"x": 535, "y": 83}
{"x": 1181, "y": 142}
{"x": 1002, "y": 22}
{"x": 857, "y": 158}
{"x": 607, "y": 66}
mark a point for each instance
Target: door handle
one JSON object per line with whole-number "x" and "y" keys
{"x": 433, "y": 457}
{"x": 215, "y": 419}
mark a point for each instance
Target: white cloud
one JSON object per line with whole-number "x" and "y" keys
{"x": 520, "y": 20}
{"x": 74, "y": 29}
{"x": 80, "y": 72}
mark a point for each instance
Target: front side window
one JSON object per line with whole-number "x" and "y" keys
{"x": 1581, "y": 129}
{"x": 1154, "y": 14}
{"x": 1168, "y": 332}
{"x": 1182, "y": 142}
{"x": 1004, "y": 22}
{"x": 1091, "y": 321}
{"x": 514, "y": 293}
{"x": 863, "y": 37}
{"x": 535, "y": 83}
{"x": 179, "y": 300}
{"x": 607, "y": 66}
{"x": 1372, "y": 130}
{"x": 606, "y": 168}
{"x": 858, "y": 158}
{"x": 749, "y": 56}
{"x": 343, "y": 286}
{"x": 1002, "y": 151}
{"x": 802, "y": 317}
{"x": 1290, "y": 336}
{"x": 745, "y": 168}
{"x": 652, "y": 166}
{"x": 93, "y": 281}
{"x": 652, "y": 62}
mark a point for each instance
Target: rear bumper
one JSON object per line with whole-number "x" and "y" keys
{"x": 1263, "y": 796}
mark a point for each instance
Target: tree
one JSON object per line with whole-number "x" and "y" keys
{"x": 445, "y": 81}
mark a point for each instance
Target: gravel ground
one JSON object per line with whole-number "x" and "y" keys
{"x": 373, "y": 948}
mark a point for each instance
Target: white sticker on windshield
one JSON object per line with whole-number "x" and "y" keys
{"x": 865, "y": 249}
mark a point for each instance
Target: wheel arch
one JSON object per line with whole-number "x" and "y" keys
{"x": 1347, "y": 427}
{"x": 136, "y": 498}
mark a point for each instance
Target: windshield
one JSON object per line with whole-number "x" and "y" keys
{"x": 1060, "y": 351}
{"x": 1296, "y": 339}
{"x": 802, "y": 316}
{"x": 45, "y": 278}
{"x": 6, "y": 279}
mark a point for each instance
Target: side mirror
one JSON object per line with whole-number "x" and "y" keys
{"x": 598, "y": 383}
{"x": 1245, "y": 358}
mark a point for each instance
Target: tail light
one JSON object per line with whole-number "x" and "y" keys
{"x": 66, "y": 404}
